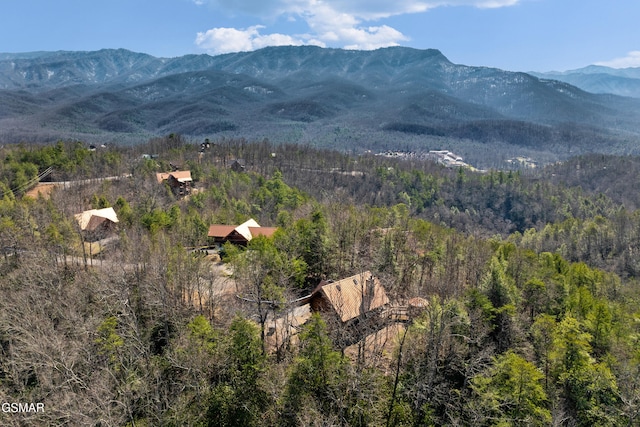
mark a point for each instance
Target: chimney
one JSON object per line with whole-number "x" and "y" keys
{"x": 369, "y": 292}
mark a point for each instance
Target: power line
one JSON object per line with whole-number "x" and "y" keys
{"x": 21, "y": 188}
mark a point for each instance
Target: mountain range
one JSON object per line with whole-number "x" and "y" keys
{"x": 600, "y": 79}
{"x": 391, "y": 98}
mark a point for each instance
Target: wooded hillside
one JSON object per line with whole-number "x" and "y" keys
{"x": 521, "y": 286}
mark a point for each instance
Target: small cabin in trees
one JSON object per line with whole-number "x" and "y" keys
{"x": 97, "y": 224}
{"x": 352, "y": 307}
{"x": 179, "y": 181}
{"x": 238, "y": 234}
{"x": 351, "y": 298}
{"x": 238, "y": 165}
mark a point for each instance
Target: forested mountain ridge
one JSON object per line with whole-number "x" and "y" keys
{"x": 384, "y": 99}
{"x": 600, "y": 79}
{"x": 531, "y": 313}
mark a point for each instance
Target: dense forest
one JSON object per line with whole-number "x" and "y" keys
{"x": 528, "y": 282}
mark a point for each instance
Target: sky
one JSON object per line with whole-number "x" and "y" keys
{"x": 514, "y": 35}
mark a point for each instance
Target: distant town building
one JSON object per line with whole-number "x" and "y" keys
{"x": 523, "y": 162}
{"x": 447, "y": 158}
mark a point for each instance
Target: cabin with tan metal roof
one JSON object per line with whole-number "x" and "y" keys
{"x": 179, "y": 181}
{"x": 350, "y": 298}
{"x": 352, "y": 307}
{"x": 97, "y": 224}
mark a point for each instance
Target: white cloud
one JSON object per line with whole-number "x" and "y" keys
{"x": 371, "y": 37}
{"x": 341, "y": 23}
{"x": 631, "y": 60}
{"x": 225, "y": 40}
{"x": 365, "y": 9}
{"x": 376, "y": 9}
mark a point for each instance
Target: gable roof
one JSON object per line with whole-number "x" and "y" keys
{"x": 247, "y": 230}
{"x": 220, "y": 231}
{"x": 180, "y": 176}
{"x": 91, "y": 219}
{"x": 162, "y": 176}
{"x": 243, "y": 229}
{"x": 355, "y": 295}
{"x": 263, "y": 231}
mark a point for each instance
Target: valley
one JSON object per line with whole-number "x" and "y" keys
{"x": 300, "y": 236}
{"x": 392, "y": 98}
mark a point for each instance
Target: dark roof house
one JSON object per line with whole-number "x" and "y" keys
{"x": 238, "y": 165}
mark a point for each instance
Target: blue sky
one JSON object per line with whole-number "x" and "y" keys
{"x": 516, "y": 35}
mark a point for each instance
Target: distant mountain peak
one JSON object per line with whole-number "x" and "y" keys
{"x": 302, "y": 93}
{"x": 600, "y": 79}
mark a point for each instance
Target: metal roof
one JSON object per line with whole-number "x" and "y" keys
{"x": 355, "y": 295}
{"x": 248, "y": 230}
{"x": 180, "y": 176}
{"x": 219, "y": 230}
{"x": 262, "y": 231}
{"x": 91, "y": 219}
{"x": 243, "y": 229}
{"x": 162, "y": 176}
